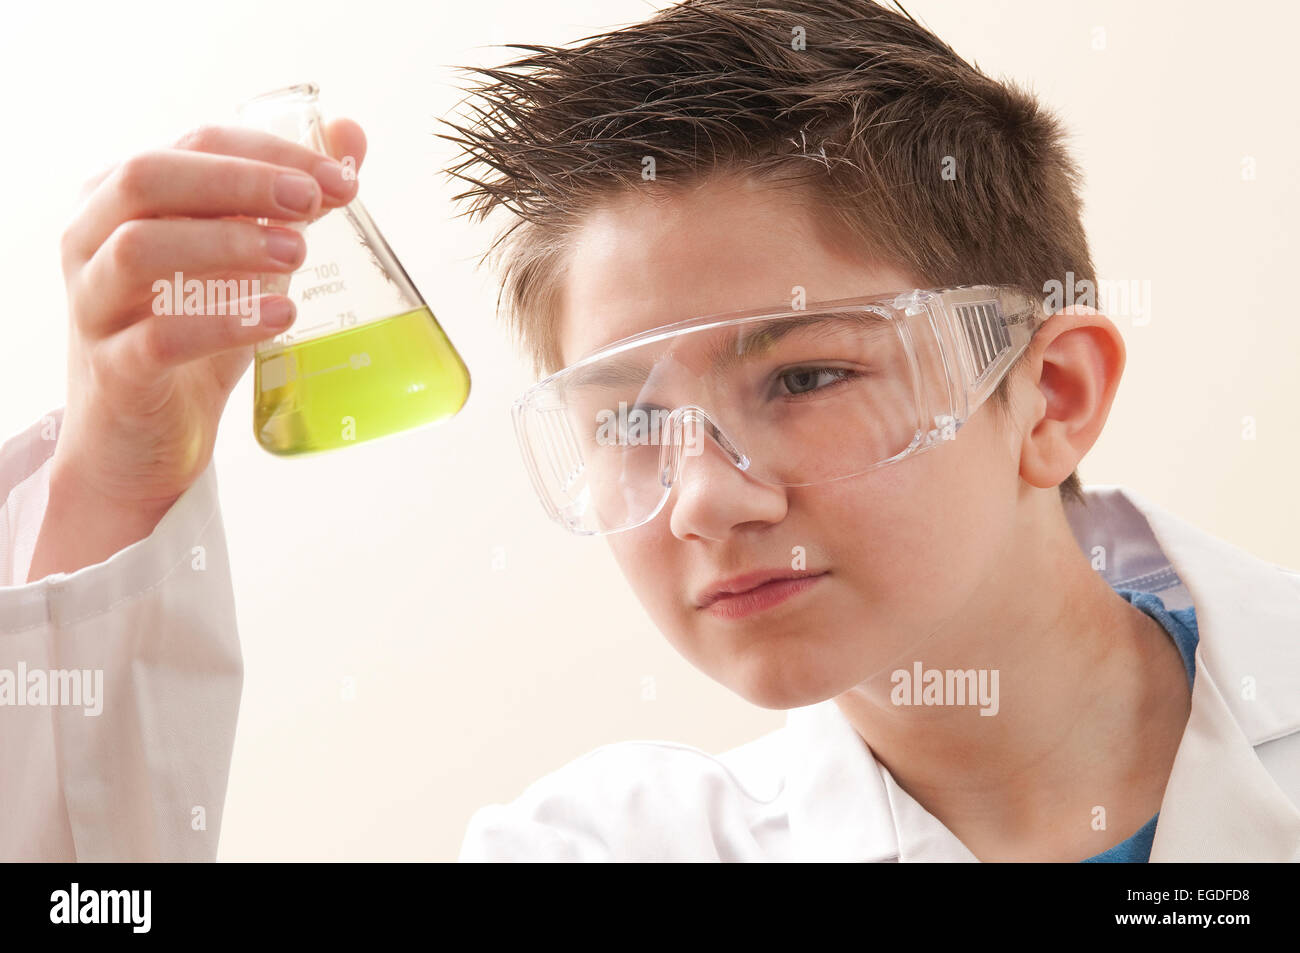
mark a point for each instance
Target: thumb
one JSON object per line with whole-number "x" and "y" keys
{"x": 344, "y": 138}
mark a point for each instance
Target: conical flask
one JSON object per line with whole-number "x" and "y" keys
{"x": 365, "y": 356}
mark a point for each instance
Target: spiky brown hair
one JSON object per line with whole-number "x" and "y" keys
{"x": 866, "y": 114}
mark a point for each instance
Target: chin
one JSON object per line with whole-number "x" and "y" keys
{"x": 782, "y": 683}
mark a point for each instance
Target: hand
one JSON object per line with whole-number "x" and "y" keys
{"x": 146, "y": 391}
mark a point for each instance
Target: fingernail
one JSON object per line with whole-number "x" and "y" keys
{"x": 295, "y": 192}
{"x": 284, "y": 246}
{"x": 330, "y": 176}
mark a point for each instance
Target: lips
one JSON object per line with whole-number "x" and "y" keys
{"x": 753, "y": 584}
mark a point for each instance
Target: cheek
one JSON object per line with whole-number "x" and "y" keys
{"x": 651, "y": 566}
{"x": 913, "y": 539}
{"x": 656, "y": 566}
{"x": 878, "y": 532}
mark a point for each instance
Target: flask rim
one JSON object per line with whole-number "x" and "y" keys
{"x": 306, "y": 92}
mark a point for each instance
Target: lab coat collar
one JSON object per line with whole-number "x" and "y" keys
{"x": 1220, "y": 802}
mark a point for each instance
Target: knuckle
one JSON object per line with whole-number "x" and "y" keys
{"x": 138, "y": 176}
{"x": 69, "y": 246}
{"x": 200, "y": 139}
{"x": 154, "y": 342}
{"x": 126, "y": 246}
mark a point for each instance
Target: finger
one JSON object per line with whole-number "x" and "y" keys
{"x": 146, "y": 350}
{"x": 71, "y": 252}
{"x": 345, "y": 138}
{"x": 338, "y": 188}
{"x": 126, "y": 269}
{"x": 347, "y": 143}
{"x": 161, "y": 182}
{"x": 179, "y": 183}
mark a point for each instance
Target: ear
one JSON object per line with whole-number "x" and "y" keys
{"x": 1074, "y": 365}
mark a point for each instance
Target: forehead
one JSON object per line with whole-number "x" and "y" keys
{"x": 649, "y": 258}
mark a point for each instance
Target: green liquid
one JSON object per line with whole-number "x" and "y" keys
{"x": 355, "y": 385}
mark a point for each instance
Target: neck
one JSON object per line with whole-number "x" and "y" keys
{"x": 1091, "y": 703}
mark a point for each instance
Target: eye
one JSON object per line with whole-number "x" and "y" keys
{"x": 808, "y": 380}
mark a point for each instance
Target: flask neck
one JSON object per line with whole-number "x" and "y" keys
{"x": 290, "y": 113}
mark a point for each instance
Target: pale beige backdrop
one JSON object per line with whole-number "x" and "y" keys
{"x": 370, "y": 572}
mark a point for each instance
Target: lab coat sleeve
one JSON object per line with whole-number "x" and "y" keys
{"x": 629, "y": 801}
{"x": 119, "y": 683}
{"x": 565, "y": 815}
{"x": 499, "y": 833}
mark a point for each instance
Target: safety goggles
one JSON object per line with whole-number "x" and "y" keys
{"x": 791, "y": 398}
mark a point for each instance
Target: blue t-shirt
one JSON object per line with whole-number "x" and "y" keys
{"x": 1181, "y": 626}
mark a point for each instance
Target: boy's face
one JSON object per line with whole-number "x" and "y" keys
{"x": 904, "y": 551}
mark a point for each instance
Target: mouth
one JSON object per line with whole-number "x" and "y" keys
{"x": 756, "y": 592}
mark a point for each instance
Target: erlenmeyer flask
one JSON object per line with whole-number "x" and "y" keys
{"x": 365, "y": 356}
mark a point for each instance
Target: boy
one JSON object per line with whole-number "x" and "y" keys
{"x": 724, "y": 158}
{"x": 855, "y": 502}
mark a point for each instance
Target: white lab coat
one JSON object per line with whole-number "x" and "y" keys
{"x": 146, "y": 778}
{"x": 126, "y": 785}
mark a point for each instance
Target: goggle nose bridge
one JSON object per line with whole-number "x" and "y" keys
{"x": 675, "y": 447}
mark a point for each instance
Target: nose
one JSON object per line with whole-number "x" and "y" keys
{"x": 712, "y": 495}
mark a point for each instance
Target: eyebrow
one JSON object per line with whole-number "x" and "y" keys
{"x": 722, "y": 356}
